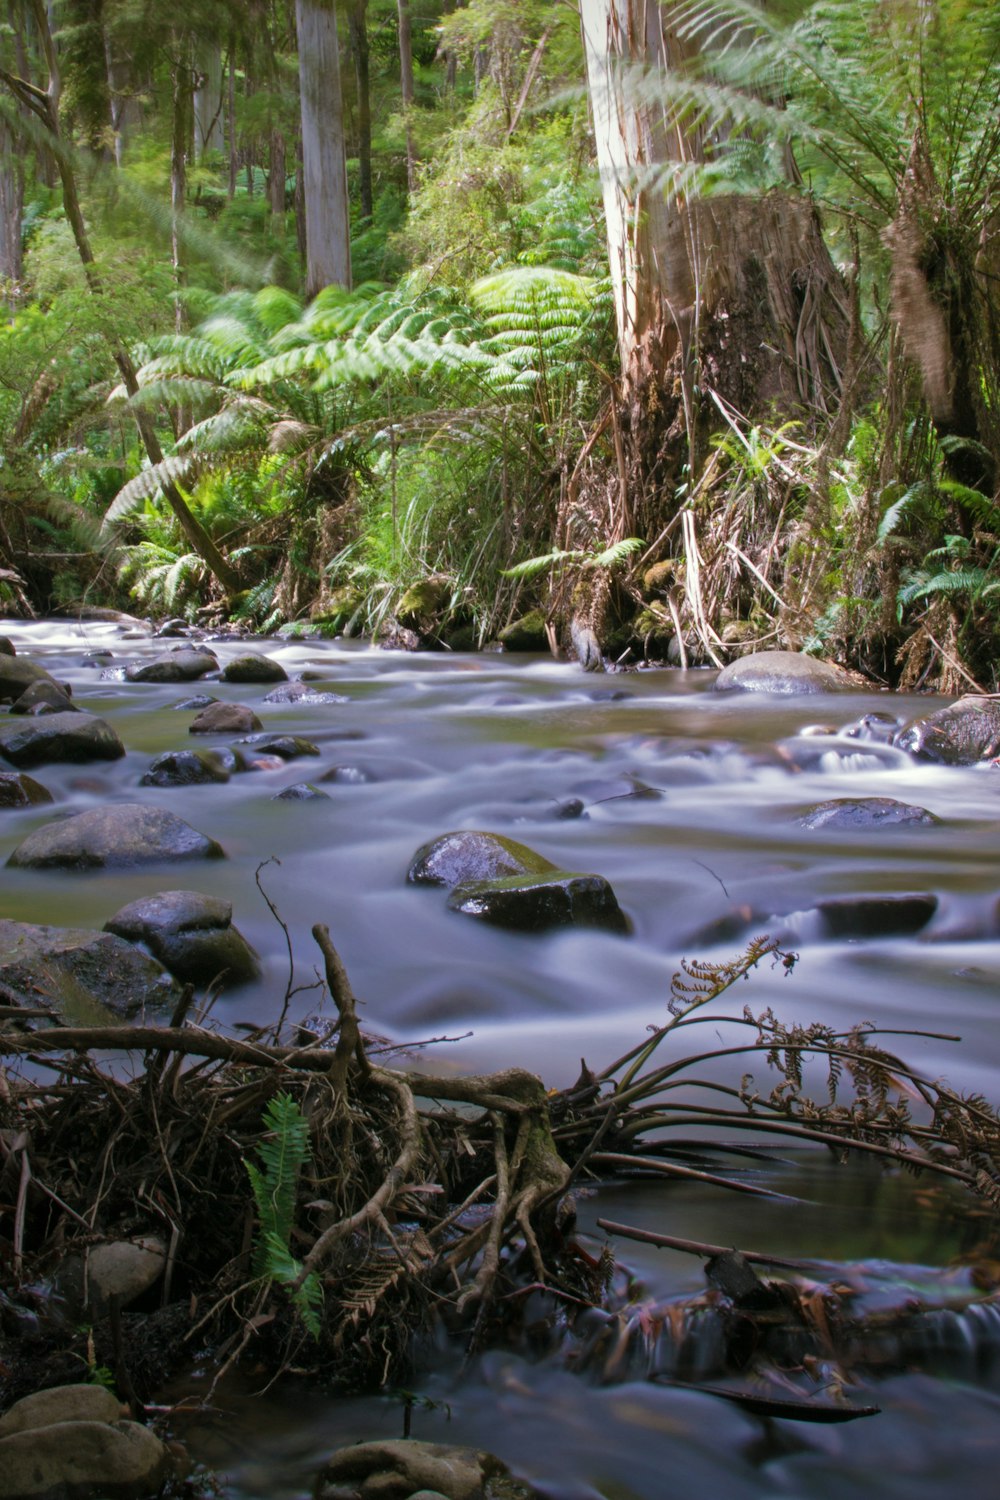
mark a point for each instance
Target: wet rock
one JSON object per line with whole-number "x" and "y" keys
{"x": 253, "y": 667}
{"x": 18, "y": 673}
{"x": 302, "y": 791}
{"x": 786, "y": 672}
{"x": 863, "y": 813}
{"x": 174, "y": 666}
{"x": 569, "y": 807}
{"x": 877, "y": 916}
{"x": 200, "y": 700}
{"x": 120, "y": 1268}
{"x": 522, "y": 904}
{"x": 526, "y": 633}
{"x": 880, "y": 728}
{"x": 191, "y": 934}
{"x": 466, "y": 856}
{"x": 18, "y": 790}
{"x": 97, "y": 659}
{"x": 965, "y": 732}
{"x": 172, "y": 628}
{"x": 336, "y": 609}
{"x": 61, "y": 1403}
{"x": 348, "y": 775}
{"x": 44, "y": 698}
{"x": 301, "y": 692}
{"x": 225, "y": 718}
{"x": 185, "y": 768}
{"x": 113, "y": 838}
{"x": 286, "y": 746}
{"x": 58, "y": 737}
{"x": 123, "y": 1269}
{"x": 70, "y": 970}
{"x": 7, "y": 646}
{"x": 76, "y": 1460}
{"x": 398, "y": 1470}
{"x": 423, "y": 606}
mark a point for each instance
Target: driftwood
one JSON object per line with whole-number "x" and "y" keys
{"x": 407, "y": 1209}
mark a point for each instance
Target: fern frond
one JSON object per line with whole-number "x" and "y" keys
{"x": 174, "y": 469}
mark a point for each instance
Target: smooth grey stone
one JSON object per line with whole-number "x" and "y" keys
{"x": 864, "y": 813}
{"x": 185, "y": 768}
{"x": 120, "y": 1268}
{"x": 400, "y": 1468}
{"x": 877, "y": 916}
{"x": 562, "y": 899}
{"x": 786, "y": 672}
{"x": 174, "y": 666}
{"x": 71, "y": 970}
{"x": 61, "y": 1403}
{"x": 44, "y": 698}
{"x": 253, "y": 668}
{"x": 18, "y": 673}
{"x": 225, "y": 718}
{"x": 58, "y": 737}
{"x": 7, "y": 646}
{"x": 287, "y": 746}
{"x": 113, "y": 837}
{"x": 191, "y": 934}
{"x": 200, "y": 700}
{"x": 474, "y": 856}
{"x": 302, "y": 791}
{"x": 19, "y": 790}
{"x": 70, "y": 1460}
{"x": 960, "y": 735}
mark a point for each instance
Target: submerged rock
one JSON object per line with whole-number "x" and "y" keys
{"x": 58, "y": 737}
{"x": 225, "y": 718}
{"x": 524, "y": 904}
{"x": 864, "y": 813}
{"x": 191, "y": 934}
{"x": 252, "y": 667}
{"x": 302, "y": 692}
{"x": 185, "y": 768}
{"x": 111, "y": 838}
{"x": 877, "y": 916}
{"x": 468, "y": 856}
{"x": 18, "y": 790}
{"x": 285, "y": 746}
{"x": 302, "y": 791}
{"x": 965, "y": 732}
{"x": 786, "y": 672}
{"x": 71, "y": 969}
{"x": 173, "y": 666}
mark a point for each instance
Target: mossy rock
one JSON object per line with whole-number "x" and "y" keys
{"x": 474, "y": 856}
{"x": 659, "y": 577}
{"x": 526, "y": 633}
{"x": 559, "y": 899}
{"x": 424, "y": 605}
{"x": 335, "y": 608}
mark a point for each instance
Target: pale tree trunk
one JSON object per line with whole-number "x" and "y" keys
{"x": 324, "y": 157}
{"x": 11, "y": 213}
{"x": 209, "y": 134}
{"x": 358, "y": 29}
{"x": 731, "y": 297}
{"x": 406, "y": 82}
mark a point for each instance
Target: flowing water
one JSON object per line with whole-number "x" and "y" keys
{"x": 688, "y": 802}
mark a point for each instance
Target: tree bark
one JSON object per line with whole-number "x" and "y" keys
{"x": 357, "y": 20}
{"x": 324, "y": 158}
{"x": 209, "y": 134}
{"x": 11, "y": 212}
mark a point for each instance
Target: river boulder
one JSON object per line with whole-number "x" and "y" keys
{"x": 875, "y": 916}
{"x": 405, "y": 1468}
{"x": 535, "y": 904}
{"x": 43, "y": 697}
{"x": 787, "y": 673}
{"x": 960, "y": 735}
{"x": 115, "y": 837}
{"x": 302, "y": 692}
{"x": 80, "y": 974}
{"x": 285, "y": 746}
{"x": 225, "y": 718}
{"x": 7, "y": 646}
{"x": 119, "y": 1268}
{"x": 19, "y": 790}
{"x": 468, "y": 856}
{"x": 185, "y": 665}
{"x": 301, "y": 791}
{"x": 58, "y": 737}
{"x": 18, "y": 673}
{"x": 864, "y": 813}
{"x": 252, "y": 667}
{"x": 75, "y": 1460}
{"x": 185, "y": 768}
{"x": 191, "y": 934}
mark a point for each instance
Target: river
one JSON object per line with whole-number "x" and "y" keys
{"x": 690, "y": 808}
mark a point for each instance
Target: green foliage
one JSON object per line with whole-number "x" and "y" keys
{"x": 282, "y": 1154}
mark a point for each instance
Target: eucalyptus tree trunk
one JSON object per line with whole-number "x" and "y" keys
{"x": 357, "y": 21}
{"x": 324, "y": 158}
{"x": 406, "y": 82}
{"x": 11, "y": 211}
{"x": 209, "y": 134}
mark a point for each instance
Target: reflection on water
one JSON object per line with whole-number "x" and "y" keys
{"x": 689, "y": 804}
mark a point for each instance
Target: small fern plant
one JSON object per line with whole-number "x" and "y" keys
{"x": 282, "y": 1154}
